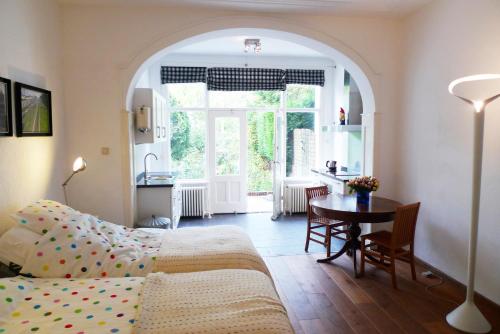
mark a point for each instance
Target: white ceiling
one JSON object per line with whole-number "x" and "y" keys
{"x": 234, "y": 46}
{"x": 390, "y": 8}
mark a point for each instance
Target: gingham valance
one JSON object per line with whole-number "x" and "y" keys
{"x": 242, "y": 79}
{"x": 181, "y": 74}
{"x": 305, "y": 77}
{"x": 238, "y": 79}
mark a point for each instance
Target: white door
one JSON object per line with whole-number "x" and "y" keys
{"x": 228, "y": 161}
{"x": 278, "y": 166}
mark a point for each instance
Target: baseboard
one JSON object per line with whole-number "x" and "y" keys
{"x": 449, "y": 278}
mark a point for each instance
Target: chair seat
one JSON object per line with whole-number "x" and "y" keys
{"x": 382, "y": 238}
{"x": 326, "y": 222}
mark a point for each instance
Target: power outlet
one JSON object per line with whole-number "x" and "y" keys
{"x": 427, "y": 274}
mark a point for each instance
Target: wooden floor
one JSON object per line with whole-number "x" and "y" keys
{"x": 325, "y": 298}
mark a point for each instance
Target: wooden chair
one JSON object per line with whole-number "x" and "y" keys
{"x": 332, "y": 228}
{"x": 388, "y": 246}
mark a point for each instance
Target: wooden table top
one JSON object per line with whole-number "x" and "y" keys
{"x": 345, "y": 208}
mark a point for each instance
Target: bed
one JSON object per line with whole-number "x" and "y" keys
{"x": 218, "y": 301}
{"x": 71, "y": 244}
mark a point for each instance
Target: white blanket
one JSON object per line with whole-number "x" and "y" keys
{"x": 218, "y": 301}
{"x": 207, "y": 248}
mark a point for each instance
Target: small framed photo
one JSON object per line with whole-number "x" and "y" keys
{"x": 5, "y": 108}
{"x": 33, "y": 111}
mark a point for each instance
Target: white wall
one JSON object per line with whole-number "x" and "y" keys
{"x": 101, "y": 41}
{"x": 444, "y": 41}
{"x": 31, "y": 168}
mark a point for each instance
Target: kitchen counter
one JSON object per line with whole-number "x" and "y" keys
{"x": 169, "y": 181}
{"x": 339, "y": 176}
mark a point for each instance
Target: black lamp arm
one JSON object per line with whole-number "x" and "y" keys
{"x": 69, "y": 178}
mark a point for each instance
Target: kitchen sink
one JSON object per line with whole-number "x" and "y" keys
{"x": 159, "y": 177}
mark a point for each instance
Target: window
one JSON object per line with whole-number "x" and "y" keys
{"x": 301, "y": 96}
{"x": 189, "y": 105}
{"x": 189, "y": 95}
{"x": 260, "y": 127}
{"x": 188, "y": 131}
{"x": 244, "y": 99}
{"x": 300, "y": 143}
{"x": 227, "y": 146}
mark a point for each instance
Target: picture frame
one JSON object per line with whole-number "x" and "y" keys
{"x": 33, "y": 111}
{"x": 6, "y": 129}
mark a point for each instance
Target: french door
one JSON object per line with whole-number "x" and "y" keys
{"x": 278, "y": 166}
{"x": 227, "y": 134}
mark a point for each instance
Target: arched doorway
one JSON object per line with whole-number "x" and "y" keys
{"x": 326, "y": 45}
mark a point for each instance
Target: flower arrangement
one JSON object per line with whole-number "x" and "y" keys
{"x": 361, "y": 184}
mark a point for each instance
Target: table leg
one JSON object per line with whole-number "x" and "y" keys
{"x": 352, "y": 244}
{"x": 354, "y": 233}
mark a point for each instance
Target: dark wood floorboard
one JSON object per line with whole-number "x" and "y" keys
{"x": 325, "y": 298}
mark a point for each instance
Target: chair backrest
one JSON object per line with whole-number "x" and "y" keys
{"x": 311, "y": 193}
{"x": 403, "y": 230}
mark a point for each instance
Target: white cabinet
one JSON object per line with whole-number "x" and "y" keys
{"x": 147, "y": 97}
{"x": 161, "y": 202}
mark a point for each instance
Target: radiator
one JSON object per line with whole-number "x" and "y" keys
{"x": 295, "y": 197}
{"x": 194, "y": 201}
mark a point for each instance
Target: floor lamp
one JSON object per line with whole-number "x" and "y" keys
{"x": 467, "y": 316}
{"x": 78, "y": 165}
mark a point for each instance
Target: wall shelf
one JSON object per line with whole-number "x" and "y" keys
{"x": 346, "y": 128}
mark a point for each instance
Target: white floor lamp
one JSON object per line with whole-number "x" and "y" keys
{"x": 467, "y": 316}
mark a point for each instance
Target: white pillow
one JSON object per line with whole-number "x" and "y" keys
{"x": 42, "y": 215}
{"x": 17, "y": 244}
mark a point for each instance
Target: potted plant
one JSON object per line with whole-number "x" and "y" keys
{"x": 363, "y": 186}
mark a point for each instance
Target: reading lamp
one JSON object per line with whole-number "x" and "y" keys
{"x": 79, "y": 165}
{"x": 467, "y": 317}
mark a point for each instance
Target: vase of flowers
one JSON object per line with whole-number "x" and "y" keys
{"x": 363, "y": 186}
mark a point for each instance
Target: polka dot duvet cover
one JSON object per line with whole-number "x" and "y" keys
{"x": 84, "y": 246}
{"x": 76, "y": 306}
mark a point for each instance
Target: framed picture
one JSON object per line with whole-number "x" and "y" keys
{"x": 33, "y": 111}
{"x": 5, "y": 108}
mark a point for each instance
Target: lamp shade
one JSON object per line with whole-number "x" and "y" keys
{"x": 79, "y": 165}
{"x": 478, "y": 93}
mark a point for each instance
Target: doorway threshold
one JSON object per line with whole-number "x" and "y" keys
{"x": 260, "y": 203}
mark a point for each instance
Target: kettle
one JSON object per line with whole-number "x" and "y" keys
{"x": 332, "y": 166}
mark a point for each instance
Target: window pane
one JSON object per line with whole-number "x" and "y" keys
{"x": 186, "y": 95}
{"x": 227, "y": 146}
{"x": 243, "y": 99}
{"x": 301, "y": 96}
{"x": 300, "y": 144}
{"x": 187, "y": 143}
{"x": 260, "y": 151}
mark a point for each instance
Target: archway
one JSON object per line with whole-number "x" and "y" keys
{"x": 265, "y": 27}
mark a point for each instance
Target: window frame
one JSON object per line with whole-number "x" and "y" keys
{"x": 282, "y": 109}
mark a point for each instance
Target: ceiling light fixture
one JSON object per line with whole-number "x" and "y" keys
{"x": 253, "y": 43}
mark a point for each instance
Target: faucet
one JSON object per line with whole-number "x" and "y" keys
{"x": 146, "y": 166}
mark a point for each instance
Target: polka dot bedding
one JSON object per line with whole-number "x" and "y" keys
{"x": 41, "y": 216}
{"x": 85, "y": 246}
{"x": 76, "y": 306}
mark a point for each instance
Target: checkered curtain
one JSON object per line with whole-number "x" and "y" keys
{"x": 181, "y": 74}
{"x": 306, "y": 77}
{"x": 244, "y": 79}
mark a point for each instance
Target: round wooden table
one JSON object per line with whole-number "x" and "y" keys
{"x": 346, "y": 209}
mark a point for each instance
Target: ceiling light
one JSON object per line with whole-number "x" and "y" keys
{"x": 253, "y": 43}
